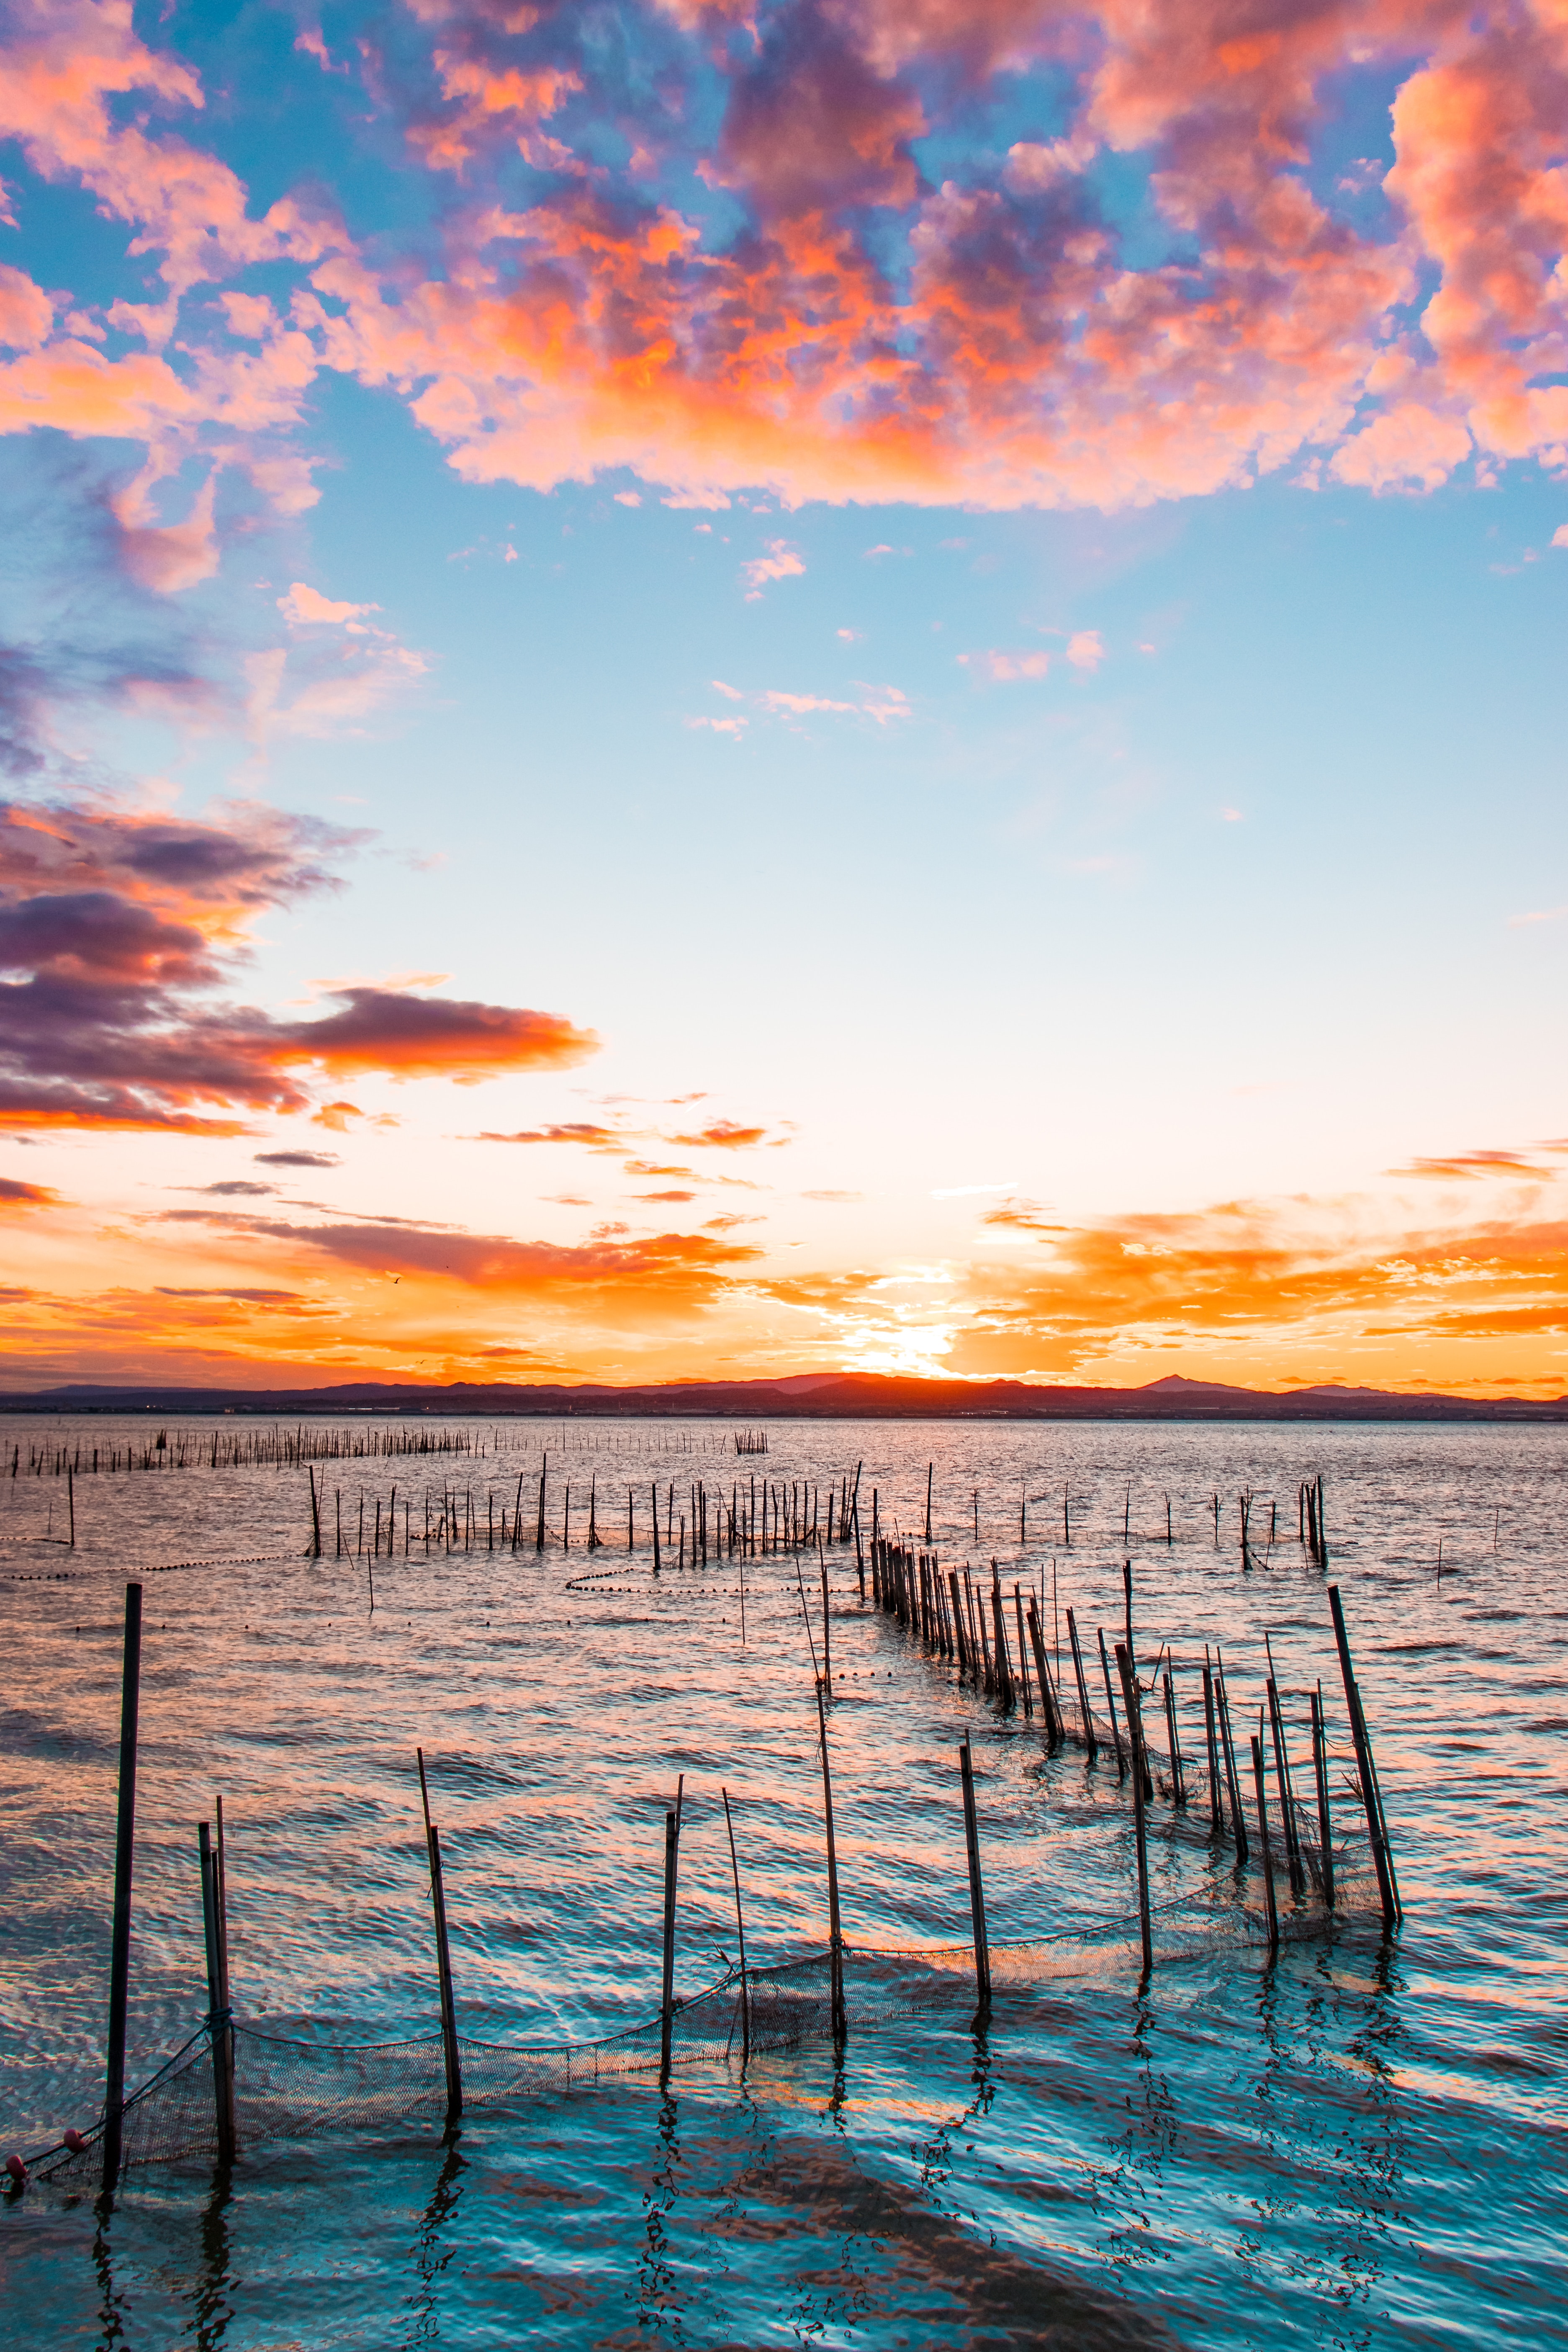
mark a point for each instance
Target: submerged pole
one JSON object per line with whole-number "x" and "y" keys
{"x": 125, "y": 1844}
{"x": 977, "y": 1890}
{"x": 218, "y": 1998}
{"x": 1269, "y": 1904}
{"x": 1134, "y": 1731}
{"x": 667, "y": 1987}
{"x": 1321, "y": 1770}
{"x": 740, "y": 1932}
{"x": 443, "y": 1957}
{"x": 1089, "y": 1741}
{"x": 1372, "y": 1796}
{"x": 834, "y": 1925}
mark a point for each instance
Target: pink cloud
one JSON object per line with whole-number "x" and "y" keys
{"x": 27, "y": 313}
{"x": 304, "y": 605}
{"x": 780, "y": 562}
{"x": 1006, "y": 669}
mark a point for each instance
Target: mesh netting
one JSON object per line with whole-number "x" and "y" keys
{"x": 289, "y": 2090}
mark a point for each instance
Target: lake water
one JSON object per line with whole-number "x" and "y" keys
{"x": 1357, "y": 2143}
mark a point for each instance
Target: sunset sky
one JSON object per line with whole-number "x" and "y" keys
{"x": 694, "y": 689}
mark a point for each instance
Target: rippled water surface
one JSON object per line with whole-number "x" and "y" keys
{"x": 1359, "y": 2143}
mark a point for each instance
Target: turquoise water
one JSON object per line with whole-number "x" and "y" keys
{"x": 1357, "y": 2144}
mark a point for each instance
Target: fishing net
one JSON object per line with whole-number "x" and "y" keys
{"x": 289, "y": 2090}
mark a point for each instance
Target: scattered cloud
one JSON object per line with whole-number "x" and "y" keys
{"x": 290, "y": 1159}
{"x": 303, "y": 607}
{"x": 725, "y": 1135}
{"x": 1084, "y": 649}
{"x": 832, "y": 1196}
{"x": 16, "y": 1194}
{"x": 780, "y": 562}
{"x": 1006, "y": 669}
{"x": 587, "y": 1133}
{"x": 1544, "y": 915}
{"x": 1471, "y": 1166}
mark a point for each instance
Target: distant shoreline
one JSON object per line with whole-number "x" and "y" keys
{"x": 801, "y": 1397}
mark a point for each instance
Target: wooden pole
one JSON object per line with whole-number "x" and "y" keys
{"x": 70, "y": 1501}
{"x": 667, "y": 1992}
{"x": 964, "y": 1659}
{"x": 218, "y": 2000}
{"x": 1023, "y": 1648}
{"x": 655, "y": 1493}
{"x": 1129, "y": 1694}
{"x": 1089, "y": 1741}
{"x": 1216, "y": 1810}
{"x": 538, "y": 1531}
{"x": 1321, "y": 1768}
{"x": 834, "y": 1928}
{"x": 315, "y": 1516}
{"x": 827, "y": 1636}
{"x": 1049, "y": 1704}
{"x": 977, "y": 1890}
{"x": 1372, "y": 1797}
{"x": 1110, "y": 1704}
{"x": 1269, "y": 1904}
{"x": 1287, "y": 1794}
{"x": 124, "y": 1846}
{"x": 1004, "y": 1660}
{"x": 1233, "y": 1779}
{"x": 443, "y": 1955}
{"x": 740, "y": 1932}
{"x": 1178, "y": 1783}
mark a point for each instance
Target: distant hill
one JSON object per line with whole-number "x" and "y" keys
{"x": 808, "y": 1396}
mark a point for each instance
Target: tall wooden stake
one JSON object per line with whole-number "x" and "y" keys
{"x": 833, "y": 1927}
{"x": 1089, "y": 1741}
{"x": 124, "y": 1845}
{"x": 1110, "y": 1704}
{"x": 217, "y": 1996}
{"x": 1372, "y": 1797}
{"x": 740, "y": 1932}
{"x": 977, "y": 1890}
{"x": 443, "y": 1957}
{"x": 1134, "y": 1728}
{"x": 667, "y": 1994}
{"x": 1321, "y": 1771}
{"x": 1269, "y": 1903}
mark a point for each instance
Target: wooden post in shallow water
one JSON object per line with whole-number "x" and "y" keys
{"x": 1372, "y": 1796}
{"x": 213, "y": 1924}
{"x": 667, "y": 1982}
{"x": 1089, "y": 1741}
{"x": 977, "y": 1890}
{"x": 1216, "y": 1808}
{"x": 1232, "y": 1780}
{"x": 443, "y": 1957}
{"x": 1321, "y": 1771}
{"x": 741, "y": 1933}
{"x": 1272, "y": 1907}
{"x": 124, "y": 1847}
{"x": 1134, "y": 1731}
{"x": 1110, "y": 1704}
{"x": 835, "y": 1930}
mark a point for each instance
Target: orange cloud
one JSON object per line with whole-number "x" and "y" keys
{"x": 15, "y": 1194}
{"x": 722, "y": 1134}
